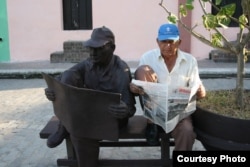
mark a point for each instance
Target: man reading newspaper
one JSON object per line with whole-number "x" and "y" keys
{"x": 176, "y": 81}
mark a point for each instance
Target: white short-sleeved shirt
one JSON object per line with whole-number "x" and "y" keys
{"x": 184, "y": 73}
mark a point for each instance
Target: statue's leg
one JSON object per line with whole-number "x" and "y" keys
{"x": 57, "y": 138}
{"x": 87, "y": 151}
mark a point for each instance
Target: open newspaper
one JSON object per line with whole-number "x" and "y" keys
{"x": 84, "y": 112}
{"x": 164, "y": 106}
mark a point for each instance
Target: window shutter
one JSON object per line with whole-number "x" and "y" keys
{"x": 77, "y": 15}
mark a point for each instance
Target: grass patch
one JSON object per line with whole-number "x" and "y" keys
{"x": 224, "y": 102}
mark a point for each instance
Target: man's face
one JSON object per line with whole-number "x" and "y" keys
{"x": 168, "y": 47}
{"x": 102, "y": 55}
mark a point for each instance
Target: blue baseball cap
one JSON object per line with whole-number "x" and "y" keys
{"x": 168, "y": 32}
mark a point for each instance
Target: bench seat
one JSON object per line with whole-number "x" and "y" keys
{"x": 131, "y": 136}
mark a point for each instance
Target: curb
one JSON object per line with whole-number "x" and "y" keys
{"x": 28, "y": 74}
{"x": 205, "y": 73}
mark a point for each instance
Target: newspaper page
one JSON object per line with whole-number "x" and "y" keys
{"x": 84, "y": 112}
{"x": 166, "y": 107}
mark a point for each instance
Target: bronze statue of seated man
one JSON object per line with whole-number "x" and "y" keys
{"x": 102, "y": 71}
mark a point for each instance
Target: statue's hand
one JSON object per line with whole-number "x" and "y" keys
{"x": 119, "y": 110}
{"x": 50, "y": 94}
{"x": 136, "y": 89}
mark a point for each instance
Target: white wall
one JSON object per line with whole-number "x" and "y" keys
{"x": 35, "y": 27}
{"x": 135, "y": 23}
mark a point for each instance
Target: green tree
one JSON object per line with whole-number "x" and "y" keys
{"x": 214, "y": 23}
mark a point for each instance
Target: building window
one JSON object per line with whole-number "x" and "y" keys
{"x": 77, "y": 14}
{"x": 238, "y": 10}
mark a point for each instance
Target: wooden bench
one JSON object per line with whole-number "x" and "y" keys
{"x": 131, "y": 136}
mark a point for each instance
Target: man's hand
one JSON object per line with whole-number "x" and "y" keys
{"x": 50, "y": 94}
{"x": 201, "y": 92}
{"x": 119, "y": 110}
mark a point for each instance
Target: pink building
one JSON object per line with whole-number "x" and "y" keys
{"x": 31, "y": 30}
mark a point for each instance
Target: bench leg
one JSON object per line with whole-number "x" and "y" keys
{"x": 70, "y": 149}
{"x": 71, "y": 161}
{"x": 165, "y": 150}
{"x": 71, "y": 155}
